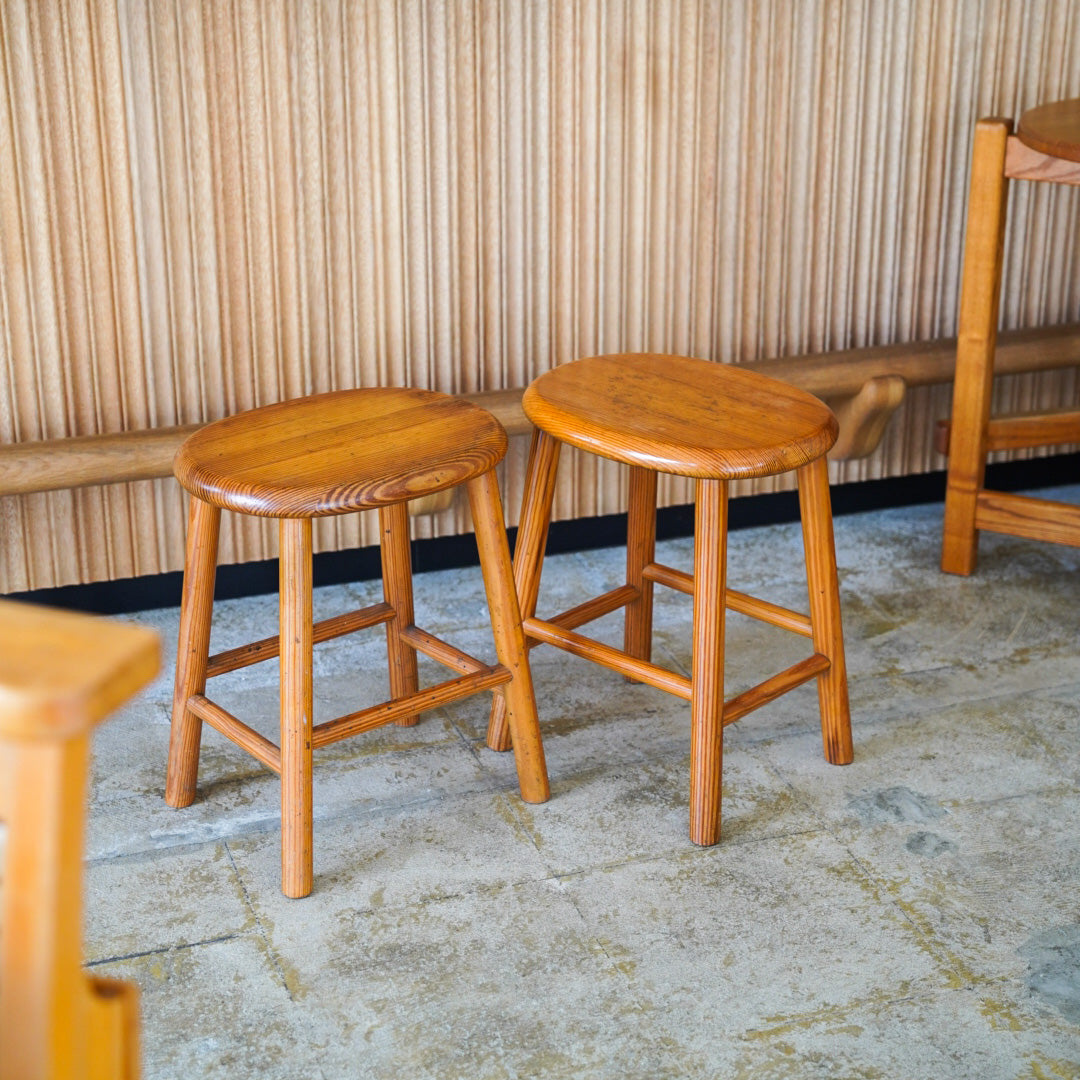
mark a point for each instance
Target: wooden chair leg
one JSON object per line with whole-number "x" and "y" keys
{"x": 529, "y": 553}
{"x": 60, "y": 674}
{"x": 42, "y": 986}
{"x": 398, "y": 593}
{"x": 640, "y": 552}
{"x": 114, "y": 1050}
{"x": 510, "y": 647}
{"x": 196, "y": 609}
{"x": 828, "y": 634}
{"x": 973, "y": 384}
{"x": 707, "y": 690}
{"x": 297, "y": 864}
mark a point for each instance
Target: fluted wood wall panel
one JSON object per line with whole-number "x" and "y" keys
{"x": 210, "y": 206}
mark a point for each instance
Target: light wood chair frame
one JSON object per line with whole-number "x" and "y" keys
{"x": 710, "y": 713}
{"x": 998, "y": 156}
{"x": 292, "y": 760}
{"x": 58, "y": 1021}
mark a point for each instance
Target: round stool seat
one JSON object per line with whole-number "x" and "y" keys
{"x": 715, "y": 423}
{"x": 327, "y": 454}
{"x": 679, "y": 415}
{"x": 339, "y": 452}
{"x": 1053, "y": 129}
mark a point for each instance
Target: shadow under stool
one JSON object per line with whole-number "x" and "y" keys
{"x": 1046, "y": 148}
{"x": 317, "y": 456}
{"x": 715, "y": 423}
{"x": 60, "y": 675}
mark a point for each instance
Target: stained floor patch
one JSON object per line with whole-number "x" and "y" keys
{"x": 1053, "y": 958}
{"x": 895, "y": 804}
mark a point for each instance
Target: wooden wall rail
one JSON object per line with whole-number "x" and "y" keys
{"x": 206, "y": 207}
{"x": 864, "y": 386}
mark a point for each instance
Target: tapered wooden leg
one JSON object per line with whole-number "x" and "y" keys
{"x": 828, "y": 634}
{"x": 42, "y": 987}
{"x": 196, "y": 609}
{"x": 977, "y": 337}
{"x": 529, "y": 553}
{"x": 296, "y": 706}
{"x": 398, "y": 593}
{"x": 510, "y": 645}
{"x": 640, "y": 552}
{"x": 707, "y": 689}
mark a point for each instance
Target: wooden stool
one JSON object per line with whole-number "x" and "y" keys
{"x": 1046, "y": 148}
{"x": 716, "y": 423}
{"x": 334, "y": 454}
{"x": 60, "y": 674}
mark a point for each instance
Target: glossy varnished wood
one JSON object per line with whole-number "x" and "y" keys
{"x": 339, "y": 452}
{"x": 327, "y": 455}
{"x": 640, "y": 553}
{"x": 297, "y": 702}
{"x": 680, "y": 415}
{"x": 60, "y": 674}
{"x": 1046, "y": 149}
{"x": 664, "y": 413}
{"x": 707, "y": 660}
{"x": 532, "y": 536}
{"x": 396, "y": 558}
{"x": 827, "y": 633}
{"x": 1053, "y": 129}
{"x": 517, "y": 695}
{"x": 196, "y": 612}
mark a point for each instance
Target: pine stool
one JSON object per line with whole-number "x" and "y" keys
{"x": 329, "y": 454}
{"x": 1046, "y": 148}
{"x": 716, "y": 423}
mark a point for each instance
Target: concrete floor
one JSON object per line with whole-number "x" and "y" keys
{"x": 913, "y": 915}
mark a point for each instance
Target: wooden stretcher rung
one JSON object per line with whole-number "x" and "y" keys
{"x": 257, "y": 651}
{"x": 388, "y": 711}
{"x": 442, "y": 651}
{"x": 596, "y": 608}
{"x": 615, "y": 659}
{"x": 1023, "y": 431}
{"x": 237, "y": 731}
{"x": 744, "y": 604}
{"x": 1020, "y": 431}
{"x": 1028, "y": 516}
{"x": 769, "y": 690}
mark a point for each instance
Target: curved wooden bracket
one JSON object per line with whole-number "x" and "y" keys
{"x": 864, "y": 416}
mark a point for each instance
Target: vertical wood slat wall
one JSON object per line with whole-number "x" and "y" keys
{"x": 210, "y": 206}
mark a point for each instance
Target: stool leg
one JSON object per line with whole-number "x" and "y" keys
{"x": 640, "y": 552}
{"x": 196, "y": 608}
{"x": 980, "y": 295}
{"x": 510, "y": 644}
{"x": 295, "y": 583}
{"x": 529, "y": 553}
{"x": 828, "y": 634}
{"x": 707, "y": 690}
{"x": 42, "y": 1002}
{"x": 397, "y": 592}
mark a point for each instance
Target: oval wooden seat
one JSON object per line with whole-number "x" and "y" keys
{"x": 716, "y": 423}
{"x": 339, "y": 452}
{"x": 680, "y": 415}
{"x": 1053, "y": 129}
{"x": 328, "y": 454}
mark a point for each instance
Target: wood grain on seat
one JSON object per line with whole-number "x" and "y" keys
{"x": 680, "y": 415}
{"x": 339, "y": 452}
